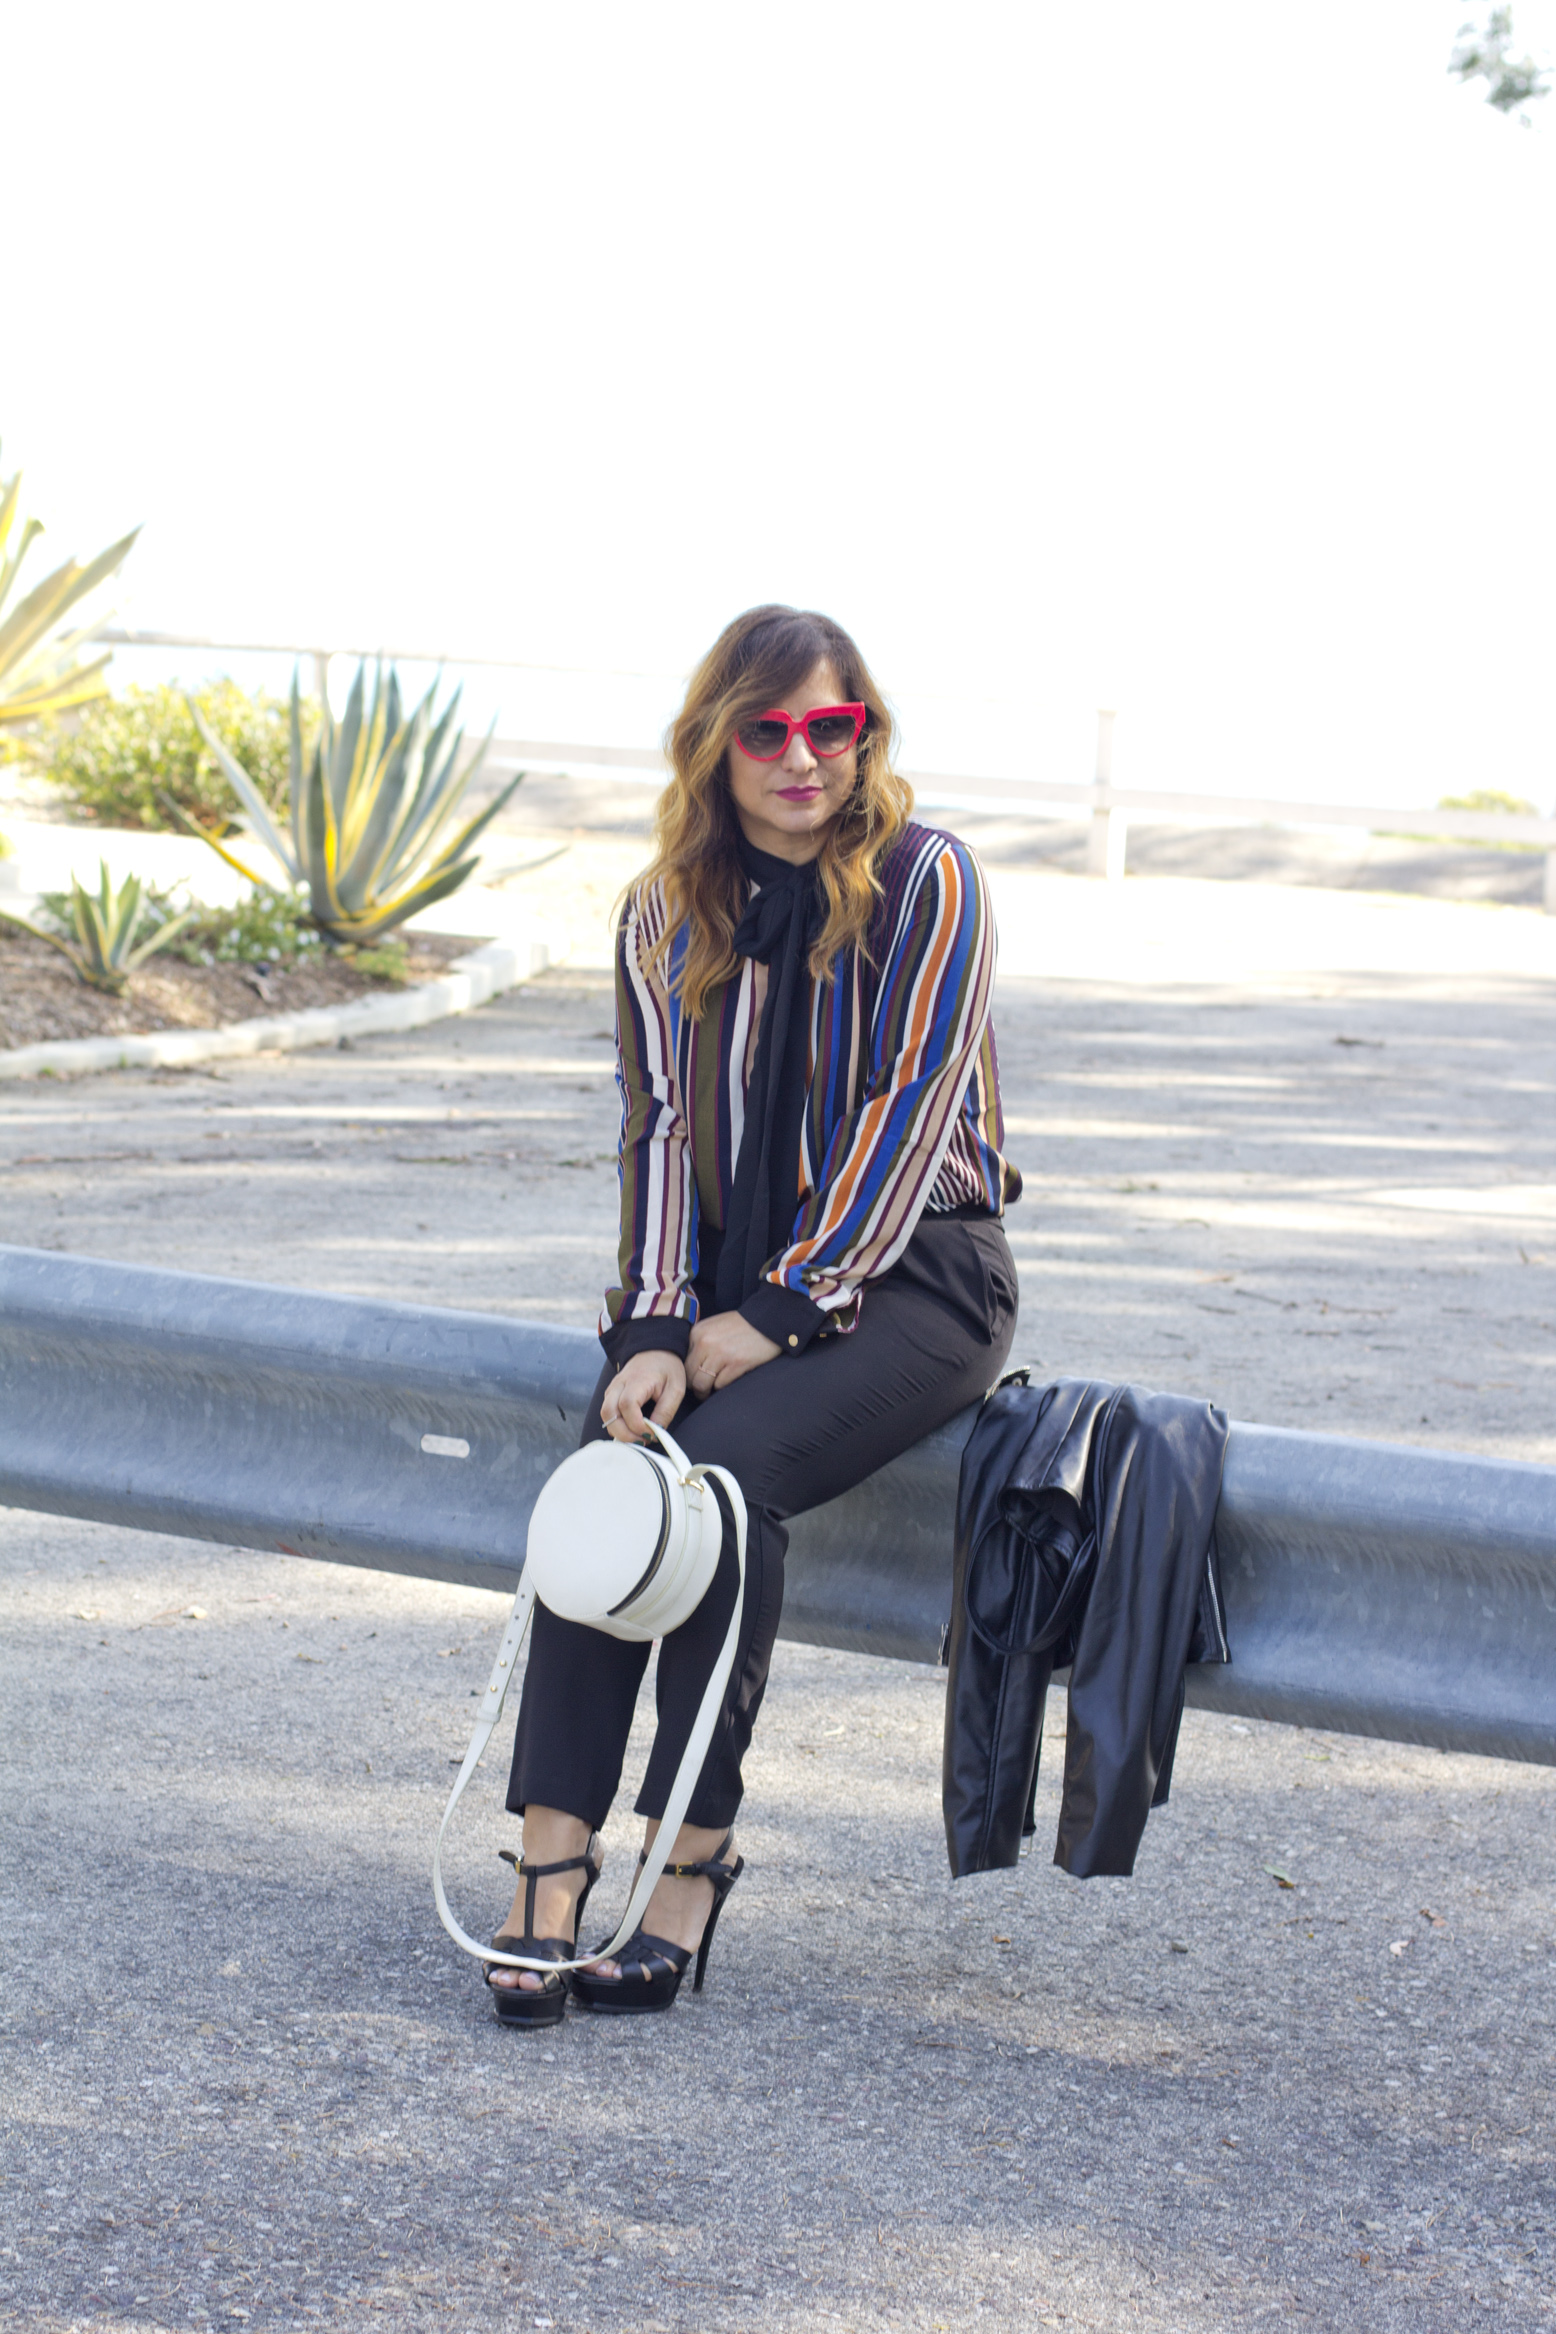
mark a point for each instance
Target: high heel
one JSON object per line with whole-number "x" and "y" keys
{"x": 519, "y": 2005}
{"x": 651, "y": 1967}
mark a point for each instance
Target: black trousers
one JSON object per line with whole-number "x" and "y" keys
{"x": 933, "y": 1335}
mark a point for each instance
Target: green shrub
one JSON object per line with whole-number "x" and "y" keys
{"x": 1492, "y": 798}
{"x": 129, "y": 751}
{"x": 268, "y": 927}
{"x": 386, "y": 962}
{"x": 1488, "y": 798}
{"x": 275, "y": 927}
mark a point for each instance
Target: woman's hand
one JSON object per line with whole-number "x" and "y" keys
{"x": 723, "y": 1348}
{"x": 650, "y": 1385}
{"x": 653, "y": 1385}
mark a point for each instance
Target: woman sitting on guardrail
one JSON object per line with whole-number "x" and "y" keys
{"x": 813, "y": 1272}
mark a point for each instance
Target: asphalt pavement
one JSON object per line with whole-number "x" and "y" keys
{"x": 1299, "y": 2067}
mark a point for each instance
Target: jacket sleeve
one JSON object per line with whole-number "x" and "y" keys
{"x": 930, "y": 1016}
{"x": 651, "y": 1308}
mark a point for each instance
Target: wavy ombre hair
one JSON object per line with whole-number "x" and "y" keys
{"x": 752, "y": 666}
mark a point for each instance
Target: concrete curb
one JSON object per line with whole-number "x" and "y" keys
{"x": 469, "y": 981}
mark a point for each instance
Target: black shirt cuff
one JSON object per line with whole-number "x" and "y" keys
{"x": 661, "y": 1333}
{"x": 784, "y": 1315}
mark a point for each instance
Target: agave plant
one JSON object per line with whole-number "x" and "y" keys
{"x": 40, "y": 669}
{"x": 370, "y": 809}
{"x": 111, "y": 928}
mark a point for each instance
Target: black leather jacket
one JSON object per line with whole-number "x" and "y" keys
{"x": 1084, "y": 1537}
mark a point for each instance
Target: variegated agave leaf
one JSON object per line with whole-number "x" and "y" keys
{"x": 249, "y": 795}
{"x": 105, "y": 951}
{"x": 374, "y": 922}
{"x": 40, "y": 669}
{"x": 371, "y": 808}
{"x": 372, "y": 829}
{"x": 430, "y": 875}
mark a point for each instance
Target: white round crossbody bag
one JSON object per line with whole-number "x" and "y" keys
{"x": 625, "y": 1539}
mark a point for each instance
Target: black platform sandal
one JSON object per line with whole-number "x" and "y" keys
{"x": 651, "y": 1967}
{"x": 519, "y": 2005}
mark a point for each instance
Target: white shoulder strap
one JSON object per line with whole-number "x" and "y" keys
{"x": 686, "y": 1775}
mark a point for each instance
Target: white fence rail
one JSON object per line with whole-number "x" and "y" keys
{"x": 1110, "y": 809}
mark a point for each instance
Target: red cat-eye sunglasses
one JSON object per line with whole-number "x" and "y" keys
{"x": 829, "y": 730}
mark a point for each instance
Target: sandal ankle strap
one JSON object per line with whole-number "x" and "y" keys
{"x": 583, "y": 1863}
{"x": 704, "y": 1870}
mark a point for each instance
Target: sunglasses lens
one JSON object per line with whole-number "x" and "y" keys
{"x": 831, "y": 733}
{"x": 764, "y": 741}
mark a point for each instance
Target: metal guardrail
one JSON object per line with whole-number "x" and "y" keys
{"x": 1110, "y": 810}
{"x": 1370, "y": 1588}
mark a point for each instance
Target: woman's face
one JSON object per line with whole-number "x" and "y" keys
{"x": 786, "y": 806}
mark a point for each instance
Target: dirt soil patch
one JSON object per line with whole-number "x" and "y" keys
{"x": 41, "y": 999}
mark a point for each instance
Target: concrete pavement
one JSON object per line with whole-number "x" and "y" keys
{"x": 1298, "y": 2067}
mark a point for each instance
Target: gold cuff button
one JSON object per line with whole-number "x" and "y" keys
{"x": 794, "y": 1340}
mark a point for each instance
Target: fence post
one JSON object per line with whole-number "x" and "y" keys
{"x": 1108, "y": 841}
{"x": 1550, "y": 883}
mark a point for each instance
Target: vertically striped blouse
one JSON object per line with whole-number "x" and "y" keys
{"x": 903, "y": 1114}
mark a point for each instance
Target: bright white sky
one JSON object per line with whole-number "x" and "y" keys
{"x": 1196, "y": 361}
